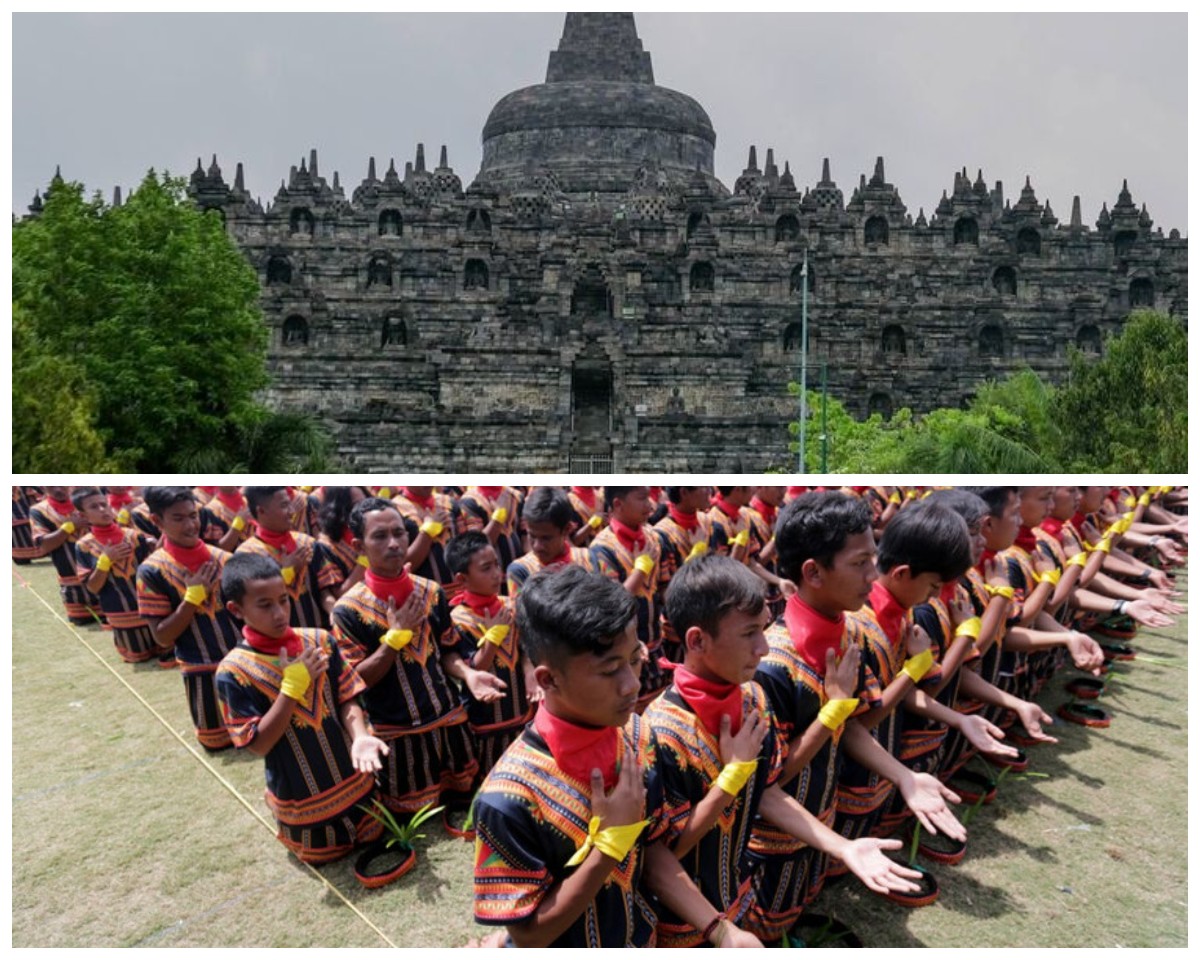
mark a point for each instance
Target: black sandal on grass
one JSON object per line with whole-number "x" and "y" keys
{"x": 1085, "y": 714}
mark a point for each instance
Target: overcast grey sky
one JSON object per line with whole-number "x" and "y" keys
{"x": 1076, "y": 101}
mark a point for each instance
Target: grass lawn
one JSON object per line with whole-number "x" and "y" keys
{"x": 126, "y": 834}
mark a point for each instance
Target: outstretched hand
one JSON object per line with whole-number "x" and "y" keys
{"x": 879, "y": 873}
{"x": 367, "y": 753}
{"x": 984, "y": 735}
{"x": 927, "y": 797}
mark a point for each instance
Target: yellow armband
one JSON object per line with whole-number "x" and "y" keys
{"x": 397, "y": 639}
{"x": 307, "y": 489}
{"x": 295, "y": 681}
{"x": 734, "y": 775}
{"x": 385, "y": 493}
{"x": 742, "y": 539}
{"x": 1006, "y": 591}
{"x": 1131, "y": 501}
{"x": 836, "y": 712}
{"x": 238, "y": 524}
{"x": 104, "y": 563}
{"x": 1144, "y": 499}
{"x": 289, "y": 575}
{"x": 596, "y": 522}
{"x": 123, "y": 517}
{"x": 495, "y": 635}
{"x": 69, "y": 526}
{"x": 910, "y": 494}
{"x": 644, "y": 563}
{"x": 500, "y": 514}
{"x": 1105, "y": 545}
{"x": 196, "y": 594}
{"x": 916, "y": 667}
{"x": 432, "y": 529}
{"x": 969, "y": 628}
{"x": 615, "y": 842}
{"x": 1050, "y": 576}
{"x": 698, "y": 550}
{"x": 1079, "y": 560}
{"x": 894, "y": 498}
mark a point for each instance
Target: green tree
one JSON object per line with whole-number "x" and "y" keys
{"x": 1127, "y": 411}
{"x": 160, "y": 311}
{"x": 53, "y": 413}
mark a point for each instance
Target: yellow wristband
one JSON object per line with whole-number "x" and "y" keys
{"x": 295, "y": 681}
{"x": 916, "y": 667}
{"x": 596, "y": 522}
{"x": 698, "y": 550}
{"x": 1105, "y": 545}
{"x": 1144, "y": 499}
{"x": 196, "y": 594}
{"x": 385, "y": 493}
{"x": 969, "y": 628}
{"x": 910, "y": 494}
{"x": 500, "y": 514}
{"x": 104, "y": 562}
{"x": 1130, "y": 501}
{"x": 238, "y": 524}
{"x": 289, "y": 575}
{"x": 307, "y": 489}
{"x": 615, "y": 842}
{"x": 123, "y": 517}
{"x": 397, "y": 639}
{"x": 733, "y": 775}
{"x": 835, "y": 712}
{"x": 1006, "y": 591}
{"x": 894, "y": 498}
{"x": 1078, "y": 560}
{"x": 1050, "y": 576}
{"x": 645, "y": 563}
{"x": 742, "y": 539}
{"x": 362, "y": 560}
{"x": 432, "y": 529}
{"x": 495, "y": 635}
{"x": 69, "y": 526}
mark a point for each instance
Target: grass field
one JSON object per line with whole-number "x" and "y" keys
{"x": 125, "y": 835}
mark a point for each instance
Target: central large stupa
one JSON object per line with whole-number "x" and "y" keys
{"x": 598, "y": 119}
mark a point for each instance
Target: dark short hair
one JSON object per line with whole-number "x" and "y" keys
{"x": 816, "y": 526}
{"x": 358, "y": 516}
{"x": 675, "y": 494}
{"x": 569, "y": 612}
{"x": 548, "y": 505}
{"x": 970, "y": 506}
{"x": 613, "y": 494}
{"x": 159, "y": 499}
{"x": 927, "y": 538}
{"x": 242, "y": 568}
{"x": 334, "y": 515}
{"x": 257, "y": 496}
{"x": 80, "y": 494}
{"x": 709, "y": 587}
{"x": 462, "y": 548}
{"x": 996, "y": 498}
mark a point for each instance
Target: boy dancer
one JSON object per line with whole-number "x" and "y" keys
{"x": 487, "y": 657}
{"x": 432, "y": 519}
{"x": 23, "y": 550}
{"x": 178, "y": 592}
{"x": 588, "y": 515}
{"x": 287, "y": 696}
{"x": 719, "y": 757}
{"x": 393, "y": 628}
{"x": 548, "y": 520}
{"x": 57, "y": 526}
{"x": 107, "y": 559}
{"x": 495, "y": 511}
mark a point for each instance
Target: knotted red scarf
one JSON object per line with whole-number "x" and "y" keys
{"x": 285, "y": 542}
{"x": 481, "y": 603}
{"x": 271, "y": 646}
{"x": 65, "y": 507}
{"x": 119, "y": 497}
{"x": 765, "y": 510}
{"x": 812, "y": 633}
{"x": 1026, "y": 539}
{"x": 710, "y": 700}
{"x": 191, "y": 557}
{"x": 888, "y": 613}
{"x": 587, "y": 495}
{"x": 390, "y": 588}
{"x": 425, "y": 503}
{"x": 727, "y": 508}
{"x": 1054, "y": 527}
{"x": 579, "y": 750}
{"x": 233, "y": 500}
{"x": 689, "y": 521}
{"x": 632, "y": 539}
{"x": 109, "y": 535}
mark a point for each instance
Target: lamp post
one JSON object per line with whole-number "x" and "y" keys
{"x": 803, "y": 357}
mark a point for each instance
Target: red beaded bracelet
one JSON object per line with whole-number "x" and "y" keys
{"x": 711, "y": 928}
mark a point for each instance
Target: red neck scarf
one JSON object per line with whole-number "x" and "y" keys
{"x": 946, "y": 594}
{"x": 859, "y": 491}
{"x": 272, "y": 645}
{"x": 888, "y": 613}
{"x": 1079, "y": 520}
{"x": 1026, "y": 540}
{"x": 390, "y": 588}
{"x": 794, "y": 492}
{"x": 481, "y": 603}
{"x": 765, "y": 510}
{"x": 65, "y": 507}
{"x": 565, "y": 558}
{"x": 191, "y": 557}
{"x": 348, "y": 535}
{"x": 689, "y": 521}
{"x": 710, "y": 700}
{"x": 119, "y": 497}
{"x": 209, "y": 490}
{"x": 490, "y": 492}
{"x": 812, "y": 633}
{"x": 631, "y": 539}
{"x": 285, "y": 543}
{"x": 110, "y": 535}
{"x": 587, "y": 495}
{"x": 579, "y": 750}
{"x": 1054, "y": 527}
{"x": 234, "y": 501}
{"x": 726, "y": 507}
{"x": 425, "y": 503}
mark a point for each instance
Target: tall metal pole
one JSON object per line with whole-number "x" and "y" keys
{"x": 803, "y": 358}
{"x": 824, "y": 417}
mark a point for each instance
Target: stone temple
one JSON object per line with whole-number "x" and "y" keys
{"x": 597, "y": 300}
